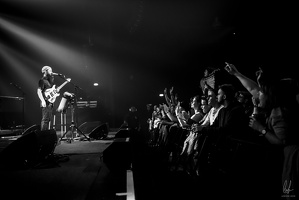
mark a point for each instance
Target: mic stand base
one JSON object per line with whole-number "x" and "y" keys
{"x": 71, "y": 139}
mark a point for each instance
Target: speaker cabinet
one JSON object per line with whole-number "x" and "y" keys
{"x": 95, "y": 129}
{"x": 118, "y": 156}
{"x": 29, "y": 150}
{"x": 33, "y": 128}
{"x": 87, "y": 127}
{"x": 99, "y": 132}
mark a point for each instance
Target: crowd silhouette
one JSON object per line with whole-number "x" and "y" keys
{"x": 244, "y": 138}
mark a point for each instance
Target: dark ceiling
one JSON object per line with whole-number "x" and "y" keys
{"x": 153, "y": 44}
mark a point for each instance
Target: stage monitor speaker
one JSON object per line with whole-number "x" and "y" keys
{"x": 87, "y": 127}
{"x": 29, "y": 150}
{"x": 99, "y": 132}
{"x": 33, "y": 128}
{"x": 118, "y": 155}
{"x": 95, "y": 129}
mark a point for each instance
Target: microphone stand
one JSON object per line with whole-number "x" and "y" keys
{"x": 73, "y": 109}
{"x": 23, "y": 104}
{"x": 23, "y": 112}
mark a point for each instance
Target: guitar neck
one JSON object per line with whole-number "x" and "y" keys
{"x": 63, "y": 84}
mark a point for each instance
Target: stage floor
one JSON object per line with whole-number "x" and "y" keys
{"x": 80, "y": 174}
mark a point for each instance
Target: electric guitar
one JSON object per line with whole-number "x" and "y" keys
{"x": 51, "y": 93}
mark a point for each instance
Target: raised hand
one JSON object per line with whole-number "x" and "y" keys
{"x": 230, "y": 68}
{"x": 171, "y": 90}
{"x": 259, "y": 74}
{"x": 255, "y": 124}
{"x": 165, "y": 108}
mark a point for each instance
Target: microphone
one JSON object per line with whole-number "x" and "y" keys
{"x": 56, "y": 74}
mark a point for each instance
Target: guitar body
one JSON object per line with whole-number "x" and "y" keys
{"x": 51, "y": 94}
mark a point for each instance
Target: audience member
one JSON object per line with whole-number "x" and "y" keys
{"x": 170, "y": 112}
{"x": 156, "y": 121}
{"x": 276, "y": 101}
{"x": 200, "y": 105}
{"x": 187, "y": 120}
{"x": 230, "y": 122}
{"x": 148, "y": 115}
{"x": 165, "y": 123}
{"x": 167, "y": 98}
{"x": 215, "y": 107}
{"x": 184, "y": 118}
{"x": 279, "y": 127}
{"x": 205, "y": 106}
{"x": 173, "y": 99}
{"x": 131, "y": 120}
{"x": 245, "y": 98}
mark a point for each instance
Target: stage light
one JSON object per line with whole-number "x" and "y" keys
{"x": 42, "y": 44}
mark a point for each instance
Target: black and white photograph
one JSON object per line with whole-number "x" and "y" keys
{"x": 149, "y": 100}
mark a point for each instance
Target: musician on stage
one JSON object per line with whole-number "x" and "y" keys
{"x": 46, "y": 82}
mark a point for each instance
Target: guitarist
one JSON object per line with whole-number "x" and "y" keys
{"x": 46, "y": 82}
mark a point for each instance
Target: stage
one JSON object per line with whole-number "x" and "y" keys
{"x": 79, "y": 172}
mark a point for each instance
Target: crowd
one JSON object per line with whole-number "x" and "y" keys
{"x": 248, "y": 137}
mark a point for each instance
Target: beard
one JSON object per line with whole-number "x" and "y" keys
{"x": 220, "y": 101}
{"x": 50, "y": 78}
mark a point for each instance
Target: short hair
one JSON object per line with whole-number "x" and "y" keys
{"x": 45, "y": 68}
{"x": 229, "y": 91}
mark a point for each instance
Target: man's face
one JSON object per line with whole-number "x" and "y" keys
{"x": 211, "y": 98}
{"x": 204, "y": 106}
{"x": 49, "y": 71}
{"x": 194, "y": 103}
{"x": 220, "y": 96}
